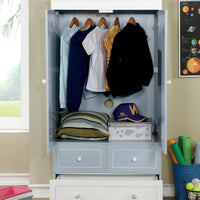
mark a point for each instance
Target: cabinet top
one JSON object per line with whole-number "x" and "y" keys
{"x": 105, "y": 5}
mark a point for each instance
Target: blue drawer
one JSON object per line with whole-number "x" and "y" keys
{"x": 80, "y": 158}
{"x": 134, "y": 159}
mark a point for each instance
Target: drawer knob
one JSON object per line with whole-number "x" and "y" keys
{"x": 79, "y": 158}
{"x": 134, "y": 159}
{"x": 44, "y": 81}
{"x": 77, "y": 196}
{"x": 134, "y": 196}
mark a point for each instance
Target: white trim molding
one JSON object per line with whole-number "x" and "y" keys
{"x": 40, "y": 191}
{"x": 106, "y": 5}
{"x": 168, "y": 190}
{"x": 14, "y": 179}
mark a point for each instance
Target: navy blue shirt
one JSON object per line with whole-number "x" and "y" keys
{"x": 77, "y": 70}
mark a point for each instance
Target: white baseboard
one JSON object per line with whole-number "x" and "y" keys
{"x": 14, "y": 179}
{"x": 168, "y": 190}
{"x": 42, "y": 190}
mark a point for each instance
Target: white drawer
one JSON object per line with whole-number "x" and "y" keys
{"x": 106, "y": 190}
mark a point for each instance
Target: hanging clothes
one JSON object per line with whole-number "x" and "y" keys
{"x": 94, "y": 46}
{"x": 77, "y": 70}
{"x": 130, "y": 65}
{"x": 108, "y": 41}
{"x": 64, "y": 56}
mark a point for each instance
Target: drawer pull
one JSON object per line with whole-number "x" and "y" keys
{"x": 78, "y": 159}
{"x": 44, "y": 81}
{"x": 77, "y": 196}
{"x": 134, "y": 196}
{"x": 134, "y": 159}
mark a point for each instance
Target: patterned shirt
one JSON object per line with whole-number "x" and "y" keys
{"x": 108, "y": 41}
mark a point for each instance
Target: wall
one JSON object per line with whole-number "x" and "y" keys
{"x": 17, "y": 155}
{"x": 40, "y": 164}
{"x": 14, "y": 153}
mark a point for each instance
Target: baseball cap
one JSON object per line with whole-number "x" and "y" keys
{"x": 128, "y": 111}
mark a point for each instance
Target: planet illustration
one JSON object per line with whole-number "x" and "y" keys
{"x": 185, "y": 71}
{"x": 186, "y": 9}
{"x": 194, "y": 50}
{"x": 191, "y": 29}
{"x": 193, "y": 65}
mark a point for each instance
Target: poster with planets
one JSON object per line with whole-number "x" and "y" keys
{"x": 189, "y": 39}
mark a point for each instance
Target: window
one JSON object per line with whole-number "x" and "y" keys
{"x": 14, "y": 81}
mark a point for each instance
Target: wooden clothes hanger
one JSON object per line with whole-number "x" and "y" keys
{"x": 88, "y": 22}
{"x": 116, "y": 23}
{"x": 103, "y": 21}
{"x": 132, "y": 21}
{"x": 74, "y": 21}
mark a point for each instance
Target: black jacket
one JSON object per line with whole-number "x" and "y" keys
{"x": 130, "y": 65}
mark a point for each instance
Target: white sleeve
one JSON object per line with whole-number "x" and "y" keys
{"x": 89, "y": 43}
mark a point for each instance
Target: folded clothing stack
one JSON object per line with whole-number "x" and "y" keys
{"x": 84, "y": 125}
{"x": 15, "y": 193}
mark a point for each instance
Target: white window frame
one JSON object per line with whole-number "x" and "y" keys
{"x": 21, "y": 123}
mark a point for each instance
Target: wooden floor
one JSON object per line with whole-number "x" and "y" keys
{"x": 41, "y": 199}
{"x": 165, "y": 198}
